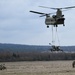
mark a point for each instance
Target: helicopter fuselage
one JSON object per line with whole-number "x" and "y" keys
{"x": 49, "y": 21}
{"x": 54, "y": 20}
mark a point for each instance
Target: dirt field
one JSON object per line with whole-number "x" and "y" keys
{"x": 38, "y": 68}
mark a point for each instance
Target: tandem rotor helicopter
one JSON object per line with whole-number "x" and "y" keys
{"x": 54, "y": 21}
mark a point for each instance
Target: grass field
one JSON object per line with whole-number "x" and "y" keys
{"x": 38, "y": 68}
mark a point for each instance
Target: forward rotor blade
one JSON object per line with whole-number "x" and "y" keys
{"x": 44, "y": 15}
{"x": 37, "y": 12}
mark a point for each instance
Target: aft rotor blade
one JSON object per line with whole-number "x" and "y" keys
{"x": 49, "y": 7}
{"x": 37, "y": 12}
{"x": 58, "y": 8}
{"x": 68, "y": 7}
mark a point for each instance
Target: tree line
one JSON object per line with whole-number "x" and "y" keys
{"x": 35, "y": 56}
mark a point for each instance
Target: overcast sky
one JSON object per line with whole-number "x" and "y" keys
{"x": 19, "y": 26}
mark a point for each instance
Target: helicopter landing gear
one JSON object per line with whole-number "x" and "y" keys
{"x": 56, "y": 25}
{"x": 47, "y": 26}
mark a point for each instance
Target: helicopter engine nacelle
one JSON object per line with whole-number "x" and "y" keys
{"x": 49, "y": 21}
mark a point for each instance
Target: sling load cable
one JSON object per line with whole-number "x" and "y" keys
{"x": 56, "y": 35}
{"x": 53, "y": 41}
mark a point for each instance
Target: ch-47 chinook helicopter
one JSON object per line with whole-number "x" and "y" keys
{"x": 55, "y": 20}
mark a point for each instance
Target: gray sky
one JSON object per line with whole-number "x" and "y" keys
{"x": 19, "y": 26}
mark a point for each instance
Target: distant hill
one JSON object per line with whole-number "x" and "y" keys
{"x": 19, "y": 47}
{"x": 28, "y": 48}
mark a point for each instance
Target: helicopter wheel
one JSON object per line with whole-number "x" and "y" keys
{"x": 47, "y": 26}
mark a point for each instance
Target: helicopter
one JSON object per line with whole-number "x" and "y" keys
{"x": 55, "y": 20}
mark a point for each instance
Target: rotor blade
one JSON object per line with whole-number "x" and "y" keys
{"x": 49, "y": 7}
{"x": 47, "y": 14}
{"x": 58, "y": 8}
{"x": 37, "y": 12}
{"x": 68, "y": 7}
{"x": 44, "y": 15}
